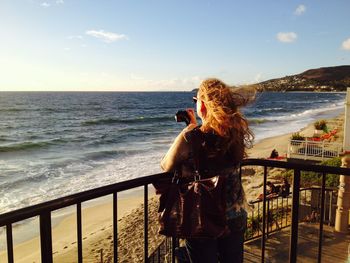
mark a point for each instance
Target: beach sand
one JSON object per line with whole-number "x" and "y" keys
{"x": 97, "y": 220}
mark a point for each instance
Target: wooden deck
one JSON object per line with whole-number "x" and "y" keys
{"x": 334, "y": 250}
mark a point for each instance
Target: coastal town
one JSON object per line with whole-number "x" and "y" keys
{"x": 317, "y": 80}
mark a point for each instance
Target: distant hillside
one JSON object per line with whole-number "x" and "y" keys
{"x": 321, "y": 79}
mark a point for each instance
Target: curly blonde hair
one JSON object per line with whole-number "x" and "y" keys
{"x": 222, "y": 104}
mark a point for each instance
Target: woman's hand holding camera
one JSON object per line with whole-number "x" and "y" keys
{"x": 192, "y": 116}
{"x": 193, "y": 121}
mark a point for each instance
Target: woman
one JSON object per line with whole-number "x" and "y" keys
{"x": 224, "y": 134}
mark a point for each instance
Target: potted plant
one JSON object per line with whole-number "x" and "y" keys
{"x": 320, "y": 127}
{"x": 297, "y": 137}
{"x": 296, "y": 140}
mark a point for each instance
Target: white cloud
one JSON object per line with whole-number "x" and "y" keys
{"x": 75, "y": 37}
{"x": 346, "y": 44}
{"x": 107, "y": 37}
{"x": 300, "y": 10}
{"x": 59, "y": 2}
{"x": 287, "y": 37}
{"x": 45, "y": 4}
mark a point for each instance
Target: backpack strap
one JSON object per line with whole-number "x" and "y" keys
{"x": 196, "y": 141}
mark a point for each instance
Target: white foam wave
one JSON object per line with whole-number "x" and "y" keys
{"x": 78, "y": 177}
{"x": 294, "y": 123}
{"x": 307, "y": 113}
{"x": 269, "y": 109}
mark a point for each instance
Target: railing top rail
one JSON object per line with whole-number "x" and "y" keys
{"x": 31, "y": 211}
{"x": 308, "y": 140}
{"x": 297, "y": 166}
{"x": 328, "y": 188}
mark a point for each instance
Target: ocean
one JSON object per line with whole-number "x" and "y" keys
{"x": 53, "y": 144}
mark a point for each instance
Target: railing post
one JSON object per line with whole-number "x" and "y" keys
{"x": 46, "y": 237}
{"x": 330, "y": 215}
{"x": 173, "y": 246}
{"x": 321, "y": 218}
{"x": 282, "y": 213}
{"x": 288, "y": 150}
{"x": 79, "y": 234}
{"x": 305, "y": 148}
{"x": 258, "y": 218}
{"x": 264, "y": 218}
{"x": 287, "y": 211}
{"x": 277, "y": 213}
{"x": 115, "y": 227}
{"x": 268, "y": 218}
{"x": 145, "y": 206}
{"x": 322, "y": 150}
{"x": 9, "y": 239}
{"x": 295, "y": 218}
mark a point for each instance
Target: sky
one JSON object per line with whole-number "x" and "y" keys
{"x": 163, "y": 45}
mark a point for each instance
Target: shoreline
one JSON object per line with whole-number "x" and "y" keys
{"x": 97, "y": 218}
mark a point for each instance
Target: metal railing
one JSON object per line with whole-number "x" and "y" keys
{"x": 317, "y": 150}
{"x": 278, "y": 214}
{"x": 165, "y": 251}
{"x": 297, "y": 168}
{"x": 44, "y": 211}
{"x": 310, "y": 201}
{"x": 279, "y": 210}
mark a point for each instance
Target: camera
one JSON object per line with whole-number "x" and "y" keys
{"x": 182, "y": 116}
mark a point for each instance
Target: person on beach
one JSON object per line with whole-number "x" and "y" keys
{"x": 274, "y": 154}
{"x": 271, "y": 191}
{"x": 285, "y": 188}
{"x": 225, "y": 135}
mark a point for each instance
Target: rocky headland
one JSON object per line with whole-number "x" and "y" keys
{"x": 321, "y": 79}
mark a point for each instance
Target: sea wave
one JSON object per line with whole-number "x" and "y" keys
{"x": 12, "y": 109}
{"x": 4, "y": 139}
{"x": 258, "y": 121}
{"x": 97, "y": 155}
{"x": 109, "y": 121}
{"x": 23, "y": 146}
{"x": 269, "y": 109}
{"x": 305, "y": 113}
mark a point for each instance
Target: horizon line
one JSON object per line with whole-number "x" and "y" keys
{"x": 104, "y": 91}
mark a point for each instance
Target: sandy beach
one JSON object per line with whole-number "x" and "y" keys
{"x": 97, "y": 220}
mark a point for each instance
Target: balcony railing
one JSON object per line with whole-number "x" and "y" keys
{"x": 44, "y": 211}
{"x": 313, "y": 150}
